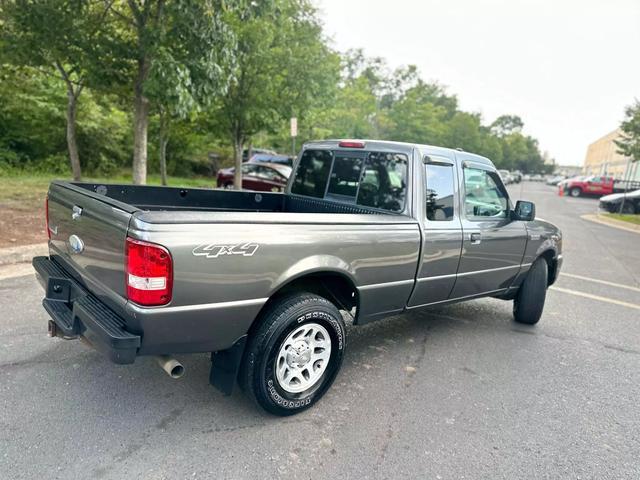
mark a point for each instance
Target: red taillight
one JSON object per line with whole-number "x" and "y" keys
{"x": 351, "y": 144}
{"x": 149, "y": 273}
{"x": 46, "y": 216}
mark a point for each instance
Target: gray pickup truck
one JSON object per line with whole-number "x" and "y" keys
{"x": 265, "y": 281}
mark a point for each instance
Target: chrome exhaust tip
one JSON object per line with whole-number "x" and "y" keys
{"x": 170, "y": 365}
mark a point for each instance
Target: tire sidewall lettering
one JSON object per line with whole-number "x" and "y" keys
{"x": 320, "y": 315}
{"x": 283, "y": 402}
{"x": 338, "y": 333}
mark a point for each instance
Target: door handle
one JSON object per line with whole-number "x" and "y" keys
{"x": 475, "y": 238}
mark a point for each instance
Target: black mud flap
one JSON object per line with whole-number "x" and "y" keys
{"x": 225, "y": 365}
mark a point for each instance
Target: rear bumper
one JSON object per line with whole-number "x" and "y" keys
{"x": 77, "y": 313}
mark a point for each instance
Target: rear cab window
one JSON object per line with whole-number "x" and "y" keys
{"x": 368, "y": 179}
{"x": 310, "y": 179}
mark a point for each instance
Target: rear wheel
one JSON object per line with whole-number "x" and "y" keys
{"x": 294, "y": 355}
{"x": 529, "y": 301}
{"x": 575, "y": 192}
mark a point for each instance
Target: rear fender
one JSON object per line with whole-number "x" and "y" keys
{"x": 314, "y": 264}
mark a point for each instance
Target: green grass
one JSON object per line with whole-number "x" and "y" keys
{"x": 635, "y": 219}
{"x": 29, "y": 190}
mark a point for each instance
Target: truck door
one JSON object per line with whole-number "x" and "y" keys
{"x": 442, "y": 231}
{"x": 594, "y": 185}
{"x": 493, "y": 244}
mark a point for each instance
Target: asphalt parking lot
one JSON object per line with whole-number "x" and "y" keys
{"x": 451, "y": 392}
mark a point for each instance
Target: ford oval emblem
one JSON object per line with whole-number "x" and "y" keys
{"x": 76, "y": 244}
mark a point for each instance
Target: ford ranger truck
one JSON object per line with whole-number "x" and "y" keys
{"x": 264, "y": 281}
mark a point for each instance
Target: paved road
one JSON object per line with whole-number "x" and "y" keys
{"x": 451, "y": 392}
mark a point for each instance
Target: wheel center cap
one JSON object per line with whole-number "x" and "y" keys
{"x": 299, "y": 354}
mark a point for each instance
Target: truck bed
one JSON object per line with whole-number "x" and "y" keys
{"x": 153, "y": 198}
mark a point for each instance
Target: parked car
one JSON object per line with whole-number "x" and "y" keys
{"x": 614, "y": 203}
{"x": 555, "y": 180}
{"x": 368, "y": 228}
{"x": 272, "y": 158}
{"x": 506, "y": 176}
{"x": 517, "y": 176}
{"x": 254, "y": 151}
{"x": 262, "y": 177}
{"x": 596, "y": 185}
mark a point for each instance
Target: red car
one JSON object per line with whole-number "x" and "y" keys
{"x": 263, "y": 177}
{"x": 593, "y": 185}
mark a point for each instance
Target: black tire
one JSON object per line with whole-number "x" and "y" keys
{"x": 628, "y": 207}
{"x": 529, "y": 301}
{"x": 575, "y": 192}
{"x": 257, "y": 375}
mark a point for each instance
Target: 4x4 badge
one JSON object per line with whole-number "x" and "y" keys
{"x": 214, "y": 251}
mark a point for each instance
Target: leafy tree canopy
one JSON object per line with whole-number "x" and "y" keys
{"x": 629, "y": 144}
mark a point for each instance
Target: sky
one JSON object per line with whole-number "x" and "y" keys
{"x": 568, "y": 68}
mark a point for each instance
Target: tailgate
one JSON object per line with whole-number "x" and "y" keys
{"x": 88, "y": 231}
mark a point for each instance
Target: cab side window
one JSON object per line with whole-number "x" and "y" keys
{"x": 484, "y": 195}
{"x": 439, "y": 192}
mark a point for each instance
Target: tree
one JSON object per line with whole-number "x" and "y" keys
{"x": 629, "y": 143}
{"x": 423, "y": 114}
{"x": 178, "y": 49}
{"x": 55, "y": 36}
{"x": 506, "y": 125}
{"x": 283, "y": 67}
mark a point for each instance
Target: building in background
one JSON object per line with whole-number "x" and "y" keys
{"x": 603, "y": 159}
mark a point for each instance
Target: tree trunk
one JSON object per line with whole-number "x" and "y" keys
{"x": 163, "y": 158}
{"x": 140, "y": 127}
{"x": 238, "y": 146}
{"x": 140, "y": 120}
{"x": 72, "y": 145}
{"x": 164, "y": 140}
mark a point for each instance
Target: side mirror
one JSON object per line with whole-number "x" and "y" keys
{"x": 525, "y": 211}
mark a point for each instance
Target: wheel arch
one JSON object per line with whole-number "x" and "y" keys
{"x": 334, "y": 284}
{"x": 550, "y": 256}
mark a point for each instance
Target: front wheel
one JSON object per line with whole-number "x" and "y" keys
{"x": 294, "y": 355}
{"x": 529, "y": 301}
{"x": 575, "y": 192}
{"x": 627, "y": 207}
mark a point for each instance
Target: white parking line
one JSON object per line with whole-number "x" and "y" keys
{"x": 596, "y": 297}
{"x": 604, "y": 282}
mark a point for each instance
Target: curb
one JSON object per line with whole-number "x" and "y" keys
{"x": 23, "y": 253}
{"x": 611, "y": 222}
